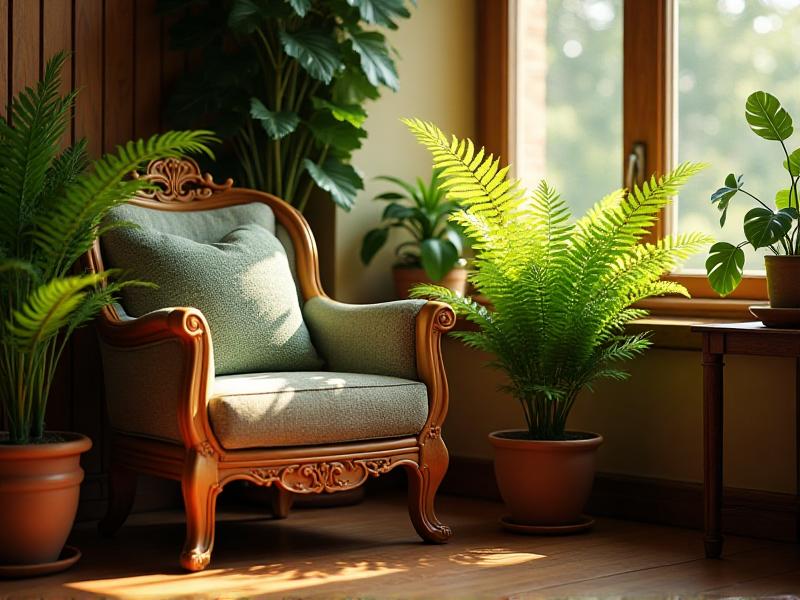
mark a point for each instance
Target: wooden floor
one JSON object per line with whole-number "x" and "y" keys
{"x": 371, "y": 551}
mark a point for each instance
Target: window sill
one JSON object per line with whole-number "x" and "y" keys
{"x": 671, "y": 319}
{"x": 701, "y": 308}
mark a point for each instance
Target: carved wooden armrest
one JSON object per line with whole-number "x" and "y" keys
{"x": 433, "y": 321}
{"x": 187, "y": 331}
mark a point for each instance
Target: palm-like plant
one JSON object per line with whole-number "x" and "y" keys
{"x": 423, "y": 211}
{"x": 52, "y": 205}
{"x": 559, "y": 291}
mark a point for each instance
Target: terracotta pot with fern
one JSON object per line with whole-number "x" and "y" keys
{"x": 560, "y": 293}
{"x": 52, "y": 203}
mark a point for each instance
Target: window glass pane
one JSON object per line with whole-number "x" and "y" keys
{"x": 728, "y": 49}
{"x": 569, "y": 97}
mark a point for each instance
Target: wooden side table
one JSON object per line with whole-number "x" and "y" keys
{"x": 718, "y": 340}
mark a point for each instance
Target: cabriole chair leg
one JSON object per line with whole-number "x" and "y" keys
{"x": 282, "y": 501}
{"x": 122, "y": 491}
{"x": 200, "y": 487}
{"x": 423, "y": 482}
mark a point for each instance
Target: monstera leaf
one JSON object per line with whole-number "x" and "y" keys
{"x": 340, "y": 180}
{"x": 725, "y": 265}
{"x": 301, "y": 7}
{"x": 276, "y": 124}
{"x": 381, "y": 12}
{"x": 793, "y": 163}
{"x": 767, "y": 118}
{"x": 375, "y": 60}
{"x": 763, "y": 227}
{"x": 723, "y": 195}
{"x": 315, "y": 50}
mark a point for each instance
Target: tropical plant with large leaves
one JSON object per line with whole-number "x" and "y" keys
{"x": 774, "y": 225}
{"x": 558, "y": 292}
{"x": 52, "y": 204}
{"x": 421, "y": 209}
{"x": 285, "y": 82}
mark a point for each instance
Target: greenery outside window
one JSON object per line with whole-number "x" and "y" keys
{"x": 607, "y": 74}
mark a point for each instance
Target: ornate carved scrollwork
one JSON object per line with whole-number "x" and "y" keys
{"x": 205, "y": 449}
{"x": 434, "y": 432}
{"x": 445, "y": 319}
{"x": 313, "y": 478}
{"x": 179, "y": 180}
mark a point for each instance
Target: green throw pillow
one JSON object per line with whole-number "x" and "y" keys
{"x": 242, "y": 284}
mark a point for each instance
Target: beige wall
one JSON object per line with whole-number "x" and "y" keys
{"x": 437, "y": 83}
{"x": 651, "y": 423}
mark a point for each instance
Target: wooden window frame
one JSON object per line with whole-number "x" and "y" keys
{"x": 648, "y": 116}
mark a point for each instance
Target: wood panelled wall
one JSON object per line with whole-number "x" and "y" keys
{"x": 122, "y": 65}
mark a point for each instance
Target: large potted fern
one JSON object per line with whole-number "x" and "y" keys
{"x": 558, "y": 294}
{"x": 52, "y": 203}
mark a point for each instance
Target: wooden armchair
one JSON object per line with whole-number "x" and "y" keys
{"x": 174, "y": 435}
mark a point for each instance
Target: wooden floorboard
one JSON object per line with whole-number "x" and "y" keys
{"x": 371, "y": 551}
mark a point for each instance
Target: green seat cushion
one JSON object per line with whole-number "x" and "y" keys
{"x": 242, "y": 283}
{"x": 319, "y": 407}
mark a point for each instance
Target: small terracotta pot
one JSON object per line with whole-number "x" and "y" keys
{"x": 39, "y": 490}
{"x": 544, "y": 482}
{"x": 407, "y": 277}
{"x": 783, "y": 281}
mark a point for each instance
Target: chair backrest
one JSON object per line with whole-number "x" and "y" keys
{"x": 182, "y": 188}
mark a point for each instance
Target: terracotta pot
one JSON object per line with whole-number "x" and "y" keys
{"x": 783, "y": 281}
{"x": 39, "y": 490}
{"x": 407, "y": 277}
{"x": 544, "y": 482}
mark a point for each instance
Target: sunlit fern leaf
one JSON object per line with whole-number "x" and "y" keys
{"x": 48, "y": 308}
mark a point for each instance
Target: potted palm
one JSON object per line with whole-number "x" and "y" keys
{"x": 774, "y": 225}
{"x": 559, "y": 294}
{"x": 434, "y": 252}
{"x": 52, "y": 203}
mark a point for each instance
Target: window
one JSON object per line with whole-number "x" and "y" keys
{"x": 726, "y": 50}
{"x": 589, "y": 78}
{"x": 569, "y": 71}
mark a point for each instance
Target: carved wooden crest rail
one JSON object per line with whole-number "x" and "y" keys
{"x": 179, "y": 180}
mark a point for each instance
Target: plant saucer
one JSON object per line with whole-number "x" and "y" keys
{"x": 786, "y": 318}
{"x": 584, "y": 524}
{"x": 69, "y": 556}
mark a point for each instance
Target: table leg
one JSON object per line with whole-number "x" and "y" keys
{"x": 712, "y": 451}
{"x": 797, "y": 446}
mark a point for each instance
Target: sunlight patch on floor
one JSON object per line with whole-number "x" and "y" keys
{"x": 258, "y": 579}
{"x": 493, "y": 557}
{"x": 280, "y": 578}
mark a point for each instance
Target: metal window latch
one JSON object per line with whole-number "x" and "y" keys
{"x": 636, "y": 169}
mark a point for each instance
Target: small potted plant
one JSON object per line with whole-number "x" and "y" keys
{"x": 559, "y": 293}
{"x": 52, "y": 203}
{"x": 774, "y": 225}
{"x": 434, "y": 252}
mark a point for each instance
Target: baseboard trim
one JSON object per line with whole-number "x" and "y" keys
{"x": 752, "y": 513}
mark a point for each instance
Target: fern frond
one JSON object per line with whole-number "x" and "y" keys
{"x": 48, "y": 308}
{"x": 561, "y": 292}
{"x": 27, "y": 149}
{"x": 69, "y": 229}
